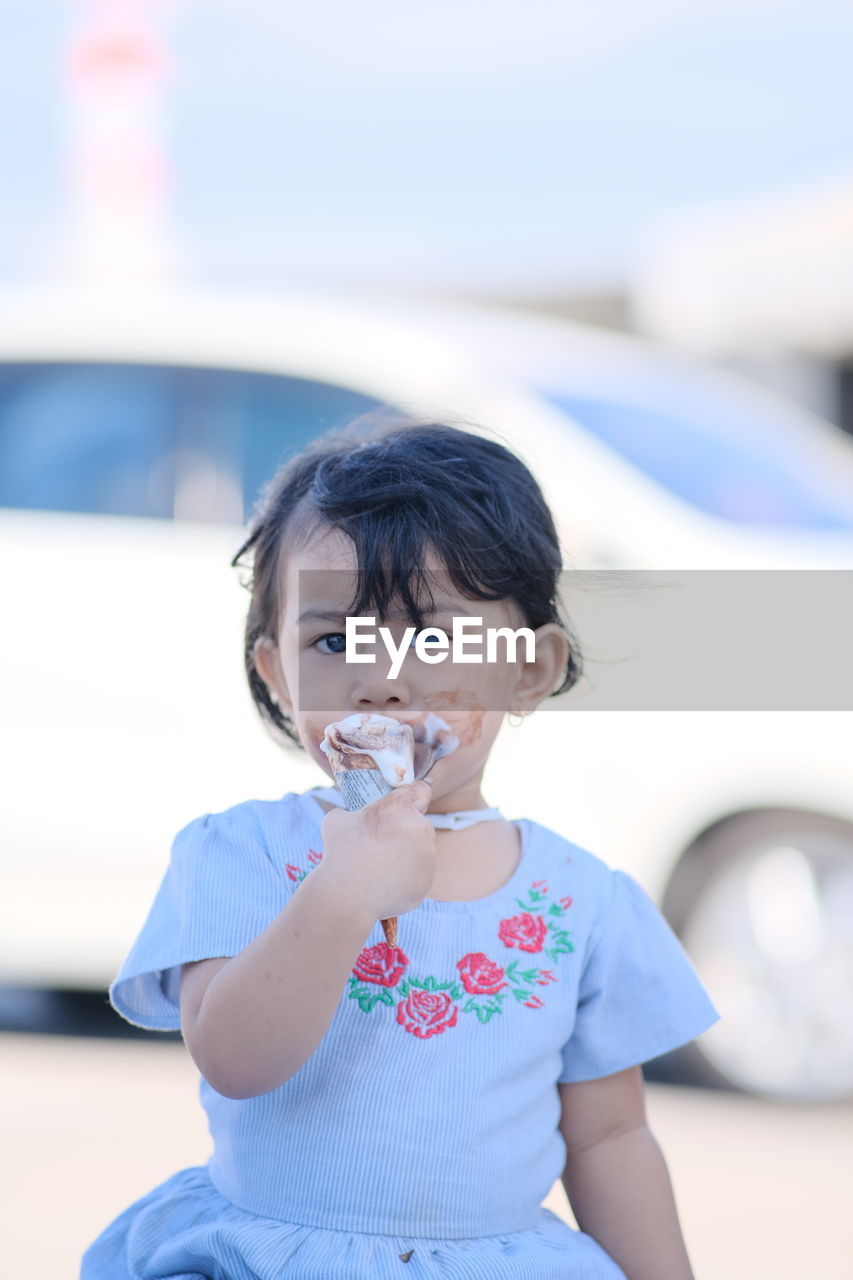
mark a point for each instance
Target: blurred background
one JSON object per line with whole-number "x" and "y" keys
{"x": 620, "y": 237}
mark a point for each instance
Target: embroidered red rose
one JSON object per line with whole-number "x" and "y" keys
{"x": 480, "y": 976}
{"x": 525, "y": 932}
{"x": 426, "y": 1013}
{"x": 381, "y": 964}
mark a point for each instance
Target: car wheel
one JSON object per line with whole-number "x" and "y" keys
{"x": 763, "y": 904}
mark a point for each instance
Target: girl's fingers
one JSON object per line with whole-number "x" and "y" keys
{"x": 418, "y": 793}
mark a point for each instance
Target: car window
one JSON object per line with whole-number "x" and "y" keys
{"x": 158, "y": 441}
{"x": 732, "y": 470}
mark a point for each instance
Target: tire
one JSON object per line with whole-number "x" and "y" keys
{"x": 763, "y": 904}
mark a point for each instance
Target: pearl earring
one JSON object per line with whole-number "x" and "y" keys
{"x": 516, "y": 719}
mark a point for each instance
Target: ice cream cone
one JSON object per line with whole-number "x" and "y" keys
{"x": 370, "y": 755}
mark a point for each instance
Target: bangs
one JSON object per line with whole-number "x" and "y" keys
{"x": 409, "y": 496}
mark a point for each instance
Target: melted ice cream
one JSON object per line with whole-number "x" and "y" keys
{"x": 401, "y": 752}
{"x": 372, "y": 742}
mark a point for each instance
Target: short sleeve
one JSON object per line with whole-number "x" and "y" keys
{"x": 219, "y": 892}
{"x": 639, "y": 993}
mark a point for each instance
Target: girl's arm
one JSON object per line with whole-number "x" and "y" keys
{"x": 616, "y": 1177}
{"x": 251, "y": 1021}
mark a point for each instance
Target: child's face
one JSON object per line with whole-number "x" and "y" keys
{"x": 307, "y": 670}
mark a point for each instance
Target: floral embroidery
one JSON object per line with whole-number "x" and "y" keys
{"x": 427, "y": 1013}
{"x": 517, "y": 985}
{"x": 480, "y": 976}
{"x": 538, "y": 921}
{"x": 429, "y": 1007}
{"x": 525, "y": 932}
{"x": 382, "y": 964}
{"x": 426, "y": 1007}
{"x": 296, "y": 873}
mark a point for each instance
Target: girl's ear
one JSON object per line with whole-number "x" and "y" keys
{"x": 267, "y": 662}
{"x": 540, "y": 677}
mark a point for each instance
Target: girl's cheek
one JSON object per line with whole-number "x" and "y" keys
{"x": 468, "y": 727}
{"x": 325, "y": 691}
{"x": 462, "y": 712}
{"x": 475, "y": 686}
{"x": 314, "y": 730}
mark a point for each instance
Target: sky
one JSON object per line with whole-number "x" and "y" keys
{"x": 540, "y": 146}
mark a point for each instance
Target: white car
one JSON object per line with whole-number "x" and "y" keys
{"x": 134, "y": 438}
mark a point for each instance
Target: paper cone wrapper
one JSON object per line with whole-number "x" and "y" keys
{"x": 360, "y": 787}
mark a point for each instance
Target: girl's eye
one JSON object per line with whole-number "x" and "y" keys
{"x": 336, "y": 640}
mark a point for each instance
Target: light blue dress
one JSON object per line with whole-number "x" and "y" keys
{"x": 421, "y": 1137}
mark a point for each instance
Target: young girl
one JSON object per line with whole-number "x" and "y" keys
{"x": 402, "y": 1112}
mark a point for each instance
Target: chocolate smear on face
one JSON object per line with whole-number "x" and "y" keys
{"x": 464, "y": 710}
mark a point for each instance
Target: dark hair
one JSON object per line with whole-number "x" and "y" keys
{"x": 398, "y": 488}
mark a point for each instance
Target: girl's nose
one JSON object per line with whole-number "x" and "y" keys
{"x": 374, "y": 694}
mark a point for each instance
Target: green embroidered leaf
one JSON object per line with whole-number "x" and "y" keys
{"x": 521, "y": 995}
{"x": 456, "y": 992}
{"x": 367, "y": 1001}
{"x": 554, "y": 910}
{"x": 484, "y": 1012}
{"x": 429, "y": 985}
{"x": 442, "y": 986}
{"x": 510, "y": 971}
{"x": 421, "y": 986}
{"x": 404, "y": 987}
{"x": 529, "y": 975}
{"x": 367, "y": 997}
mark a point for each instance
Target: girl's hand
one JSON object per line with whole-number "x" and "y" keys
{"x": 382, "y": 857}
